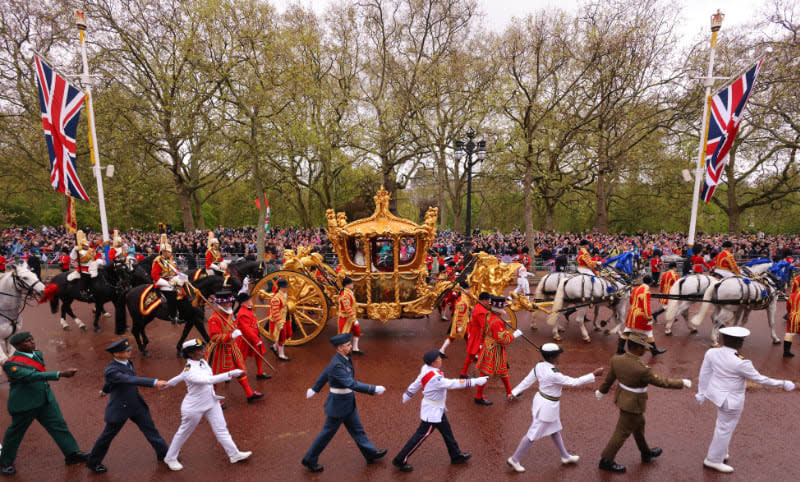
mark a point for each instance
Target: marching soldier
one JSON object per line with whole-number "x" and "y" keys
{"x": 585, "y": 263}
{"x": 224, "y": 354}
{"x": 215, "y": 263}
{"x": 348, "y": 322}
{"x": 30, "y": 398}
{"x": 546, "y": 404}
{"x": 493, "y": 360}
{"x": 475, "y": 330}
{"x": 640, "y": 318}
{"x": 125, "y": 403}
{"x": 434, "y": 388}
{"x": 458, "y": 327}
{"x": 340, "y": 407}
{"x": 723, "y": 377}
{"x": 201, "y": 401}
{"x": 165, "y": 276}
{"x": 247, "y": 323}
{"x": 724, "y": 263}
{"x": 280, "y": 326}
{"x": 116, "y": 253}
{"x": 631, "y": 399}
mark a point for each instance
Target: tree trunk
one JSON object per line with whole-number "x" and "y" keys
{"x": 442, "y": 202}
{"x": 527, "y": 200}
{"x": 549, "y": 214}
{"x": 185, "y": 198}
{"x": 733, "y": 211}
{"x": 198, "y": 212}
{"x": 602, "y": 191}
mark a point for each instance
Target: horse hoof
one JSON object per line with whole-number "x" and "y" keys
{"x": 776, "y": 342}
{"x": 83, "y": 328}
{"x": 604, "y": 323}
{"x": 668, "y": 333}
{"x": 65, "y": 328}
{"x": 606, "y": 332}
{"x": 146, "y": 354}
{"x": 534, "y": 328}
{"x": 562, "y": 329}
{"x": 106, "y": 314}
{"x": 556, "y": 338}
{"x": 692, "y": 332}
{"x": 596, "y": 328}
{"x": 97, "y": 329}
{"x": 587, "y": 340}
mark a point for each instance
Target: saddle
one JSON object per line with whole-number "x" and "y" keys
{"x": 150, "y": 300}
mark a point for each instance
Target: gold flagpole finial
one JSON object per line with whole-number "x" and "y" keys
{"x": 716, "y": 20}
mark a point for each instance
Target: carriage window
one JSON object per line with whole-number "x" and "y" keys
{"x": 355, "y": 250}
{"x": 382, "y": 251}
{"x": 408, "y": 250}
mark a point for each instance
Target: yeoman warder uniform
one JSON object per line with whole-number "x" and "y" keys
{"x": 493, "y": 360}
{"x": 460, "y": 321}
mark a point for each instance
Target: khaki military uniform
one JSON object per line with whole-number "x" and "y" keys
{"x": 633, "y": 377}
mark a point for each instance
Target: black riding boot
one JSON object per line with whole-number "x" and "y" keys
{"x": 656, "y": 313}
{"x": 787, "y": 346}
{"x": 172, "y": 306}
{"x": 655, "y": 350}
{"x": 86, "y": 295}
{"x": 621, "y": 346}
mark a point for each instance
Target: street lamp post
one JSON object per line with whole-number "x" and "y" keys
{"x": 469, "y": 148}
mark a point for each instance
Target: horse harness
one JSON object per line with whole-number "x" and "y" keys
{"x": 21, "y": 287}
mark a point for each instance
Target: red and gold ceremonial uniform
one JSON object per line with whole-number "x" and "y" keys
{"x": 795, "y": 285}
{"x": 213, "y": 256}
{"x": 585, "y": 260}
{"x": 665, "y": 283}
{"x": 474, "y": 335}
{"x": 348, "y": 322}
{"x": 247, "y": 323}
{"x": 725, "y": 260}
{"x": 460, "y": 317}
{"x": 793, "y": 310}
{"x": 698, "y": 263}
{"x": 223, "y": 354}
{"x": 493, "y": 359}
{"x": 640, "y": 317}
{"x": 162, "y": 268}
{"x": 279, "y": 328}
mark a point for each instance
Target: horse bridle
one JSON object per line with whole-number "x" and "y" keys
{"x": 22, "y": 287}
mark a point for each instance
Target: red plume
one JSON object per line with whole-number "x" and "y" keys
{"x": 49, "y": 292}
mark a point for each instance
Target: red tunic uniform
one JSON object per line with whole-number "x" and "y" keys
{"x": 162, "y": 268}
{"x": 585, "y": 260}
{"x": 793, "y": 308}
{"x": 494, "y": 358}
{"x": 224, "y": 354}
{"x": 460, "y": 317}
{"x": 725, "y": 260}
{"x": 429, "y": 262}
{"x": 698, "y": 263}
{"x": 280, "y": 328}
{"x": 347, "y": 313}
{"x": 213, "y": 257}
{"x": 64, "y": 262}
{"x": 247, "y": 323}
{"x": 795, "y": 285}
{"x": 475, "y": 330}
{"x": 3, "y": 263}
{"x": 665, "y": 283}
{"x": 655, "y": 264}
{"x": 639, "y": 315}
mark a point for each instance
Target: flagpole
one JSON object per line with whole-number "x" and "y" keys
{"x": 80, "y": 21}
{"x": 716, "y": 24}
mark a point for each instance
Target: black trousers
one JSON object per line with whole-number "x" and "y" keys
{"x": 147, "y": 427}
{"x": 423, "y": 432}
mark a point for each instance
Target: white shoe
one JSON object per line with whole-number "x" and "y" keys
{"x": 572, "y": 459}
{"x": 515, "y": 465}
{"x": 173, "y": 464}
{"x": 718, "y": 467}
{"x": 240, "y": 456}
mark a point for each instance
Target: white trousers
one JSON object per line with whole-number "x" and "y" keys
{"x": 189, "y": 421}
{"x": 523, "y": 288}
{"x": 164, "y": 285}
{"x": 588, "y": 271}
{"x": 726, "y": 423}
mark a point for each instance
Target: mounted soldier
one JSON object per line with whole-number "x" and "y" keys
{"x": 165, "y": 276}
{"x": 116, "y": 254}
{"x": 586, "y": 265}
{"x": 81, "y": 255}
{"x": 724, "y": 263}
{"x": 215, "y": 263}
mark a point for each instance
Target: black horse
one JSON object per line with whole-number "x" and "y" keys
{"x": 193, "y": 316}
{"x": 109, "y": 286}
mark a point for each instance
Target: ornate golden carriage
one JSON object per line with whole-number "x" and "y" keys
{"x": 385, "y": 257}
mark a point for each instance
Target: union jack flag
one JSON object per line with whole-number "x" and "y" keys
{"x": 61, "y": 104}
{"x": 727, "y": 108}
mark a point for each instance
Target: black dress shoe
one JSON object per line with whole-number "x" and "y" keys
{"x": 76, "y": 457}
{"x": 97, "y": 468}
{"x": 255, "y": 396}
{"x": 379, "y": 454}
{"x": 402, "y": 466}
{"x": 611, "y": 466}
{"x": 657, "y": 351}
{"x": 483, "y": 401}
{"x": 7, "y": 469}
{"x": 273, "y": 349}
{"x": 358, "y": 352}
{"x": 442, "y": 355}
{"x": 311, "y": 467}
{"x": 284, "y": 359}
{"x": 461, "y": 458}
{"x": 651, "y": 454}
{"x": 263, "y": 376}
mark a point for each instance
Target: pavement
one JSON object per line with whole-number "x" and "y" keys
{"x": 280, "y": 428}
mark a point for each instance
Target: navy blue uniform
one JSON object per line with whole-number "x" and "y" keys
{"x": 341, "y": 408}
{"x": 126, "y": 403}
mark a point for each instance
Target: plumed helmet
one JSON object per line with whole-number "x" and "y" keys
{"x": 212, "y": 240}
{"x": 164, "y": 246}
{"x": 80, "y": 239}
{"x": 116, "y": 241}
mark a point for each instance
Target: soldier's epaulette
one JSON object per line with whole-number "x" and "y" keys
{"x": 188, "y": 367}
{"x": 740, "y": 356}
{"x": 555, "y": 370}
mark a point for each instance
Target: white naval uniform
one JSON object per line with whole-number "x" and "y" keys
{"x": 722, "y": 380}
{"x": 523, "y": 288}
{"x": 434, "y": 394}
{"x": 200, "y": 401}
{"x": 546, "y": 413}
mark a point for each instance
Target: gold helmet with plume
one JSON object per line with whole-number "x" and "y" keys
{"x": 80, "y": 239}
{"x": 212, "y": 240}
{"x": 117, "y": 240}
{"x": 164, "y": 246}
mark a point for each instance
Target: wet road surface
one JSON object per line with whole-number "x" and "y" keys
{"x": 280, "y": 428}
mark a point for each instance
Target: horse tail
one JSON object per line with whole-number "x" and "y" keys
{"x": 672, "y": 305}
{"x": 558, "y": 302}
{"x": 540, "y": 287}
{"x": 700, "y": 316}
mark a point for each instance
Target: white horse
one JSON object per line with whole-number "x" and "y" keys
{"x": 547, "y": 287}
{"x": 582, "y": 289}
{"x": 734, "y": 297}
{"x": 16, "y": 288}
{"x": 690, "y": 288}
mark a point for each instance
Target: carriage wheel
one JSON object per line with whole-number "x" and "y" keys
{"x": 510, "y": 317}
{"x": 308, "y": 307}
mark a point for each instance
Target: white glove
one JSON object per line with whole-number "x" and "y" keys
{"x": 236, "y": 334}
{"x": 218, "y": 397}
{"x": 598, "y": 395}
{"x": 700, "y": 398}
{"x": 379, "y": 389}
{"x": 310, "y": 393}
{"x": 480, "y": 381}
{"x": 788, "y": 385}
{"x": 406, "y": 397}
{"x": 687, "y": 383}
{"x": 517, "y": 334}
{"x": 236, "y": 373}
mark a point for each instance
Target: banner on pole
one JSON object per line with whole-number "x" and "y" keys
{"x": 70, "y": 220}
{"x": 266, "y": 217}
